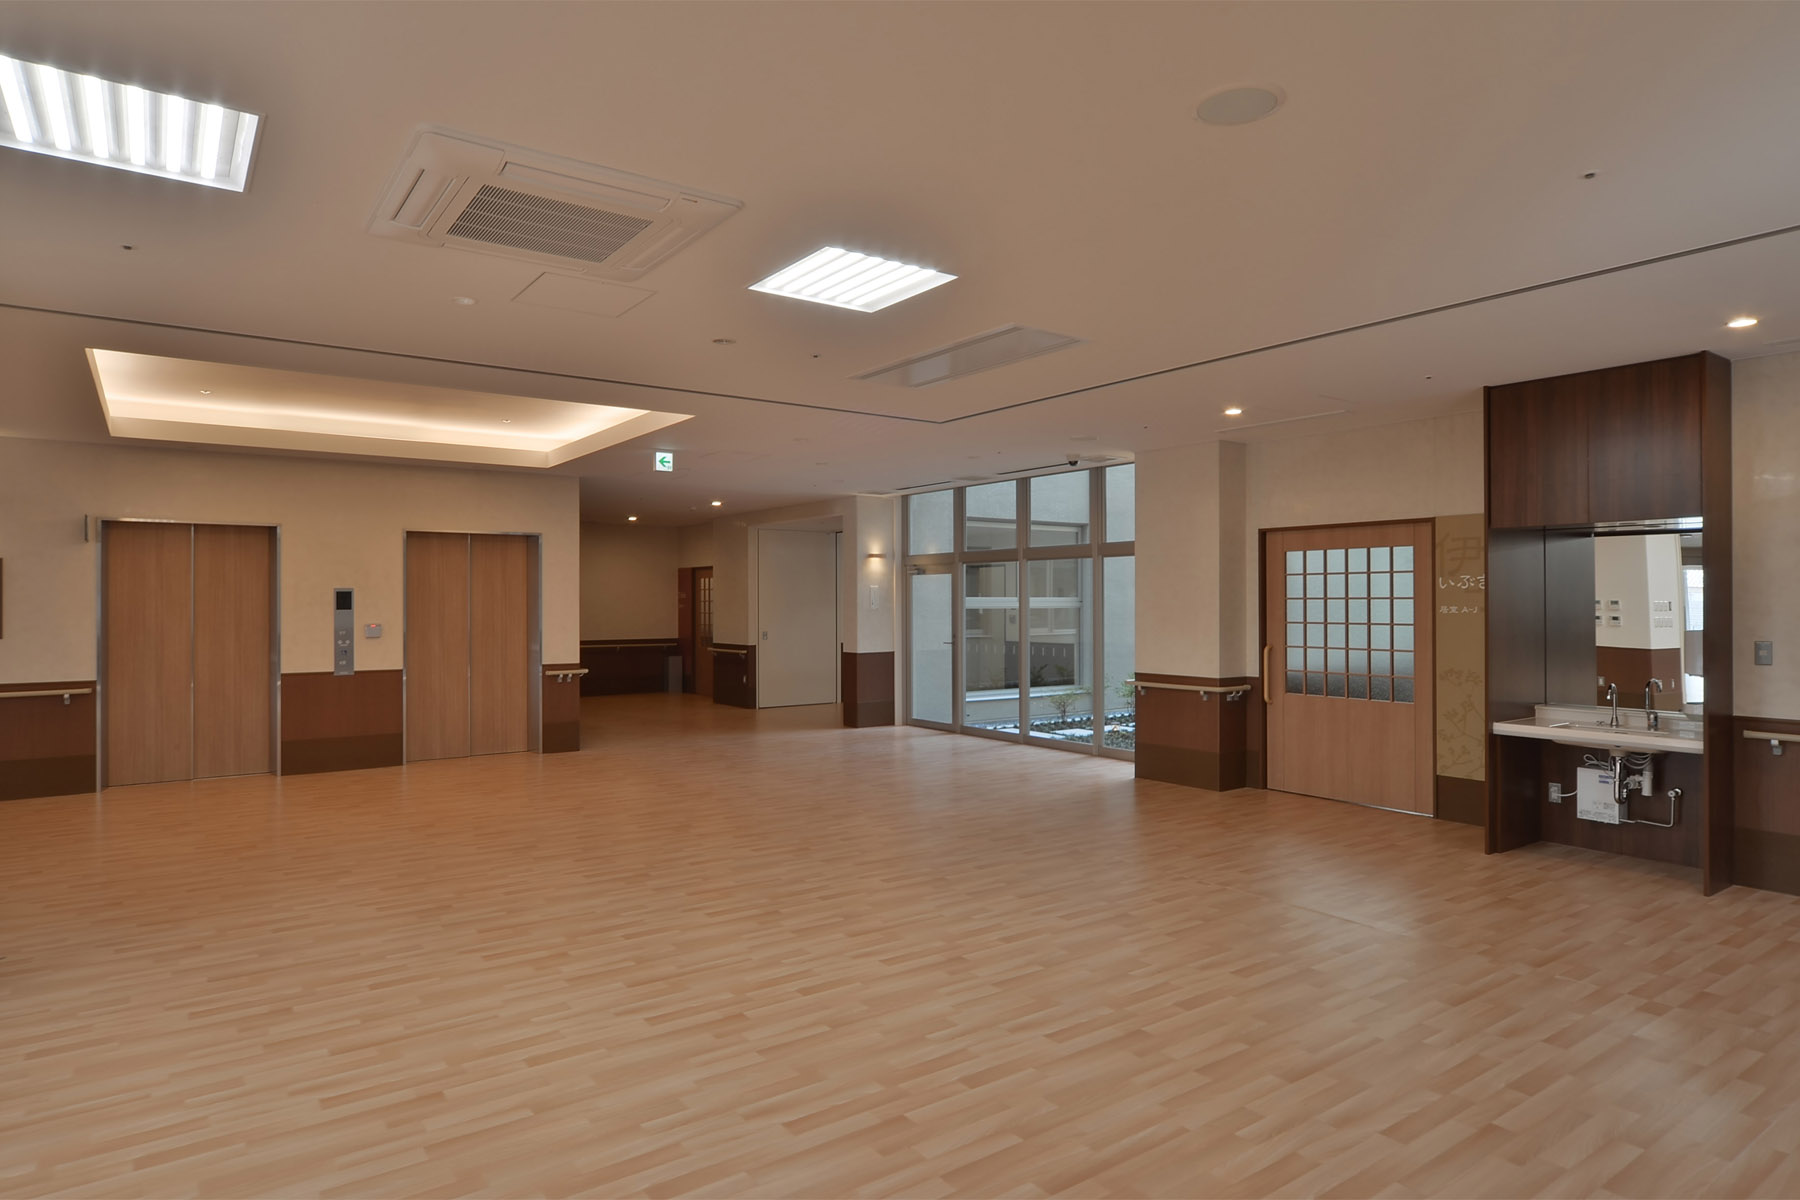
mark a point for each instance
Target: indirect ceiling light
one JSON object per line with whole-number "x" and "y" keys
{"x": 69, "y": 115}
{"x": 1239, "y": 106}
{"x": 143, "y": 396}
{"x": 845, "y": 279}
{"x": 1740, "y": 322}
{"x": 1234, "y": 412}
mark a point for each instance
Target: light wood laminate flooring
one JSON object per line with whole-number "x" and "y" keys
{"x": 732, "y": 954}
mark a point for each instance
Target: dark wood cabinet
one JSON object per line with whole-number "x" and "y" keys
{"x": 1537, "y": 454}
{"x": 1620, "y": 444}
{"x": 1644, "y": 440}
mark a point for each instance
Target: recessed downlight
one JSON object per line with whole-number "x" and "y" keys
{"x": 1740, "y": 322}
{"x": 1239, "y": 105}
{"x": 631, "y": 518}
{"x": 718, "y": 503}
{"x": 1234, "y": 411}
{"x": 81, "y": 117}
{"x": 462, "y": 301}
{"x": 845, "y": 279}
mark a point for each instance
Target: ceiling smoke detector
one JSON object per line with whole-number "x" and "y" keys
{"x": 1239, "y": 105}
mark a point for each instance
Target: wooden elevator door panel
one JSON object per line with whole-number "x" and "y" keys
{"x": 499, "y": 644}
{"x": 437, "y": 645}
{"x": 148, "y": 666}
{"x": 233, "y": 635}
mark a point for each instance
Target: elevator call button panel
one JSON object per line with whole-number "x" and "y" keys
{"x": 343, "y": 633}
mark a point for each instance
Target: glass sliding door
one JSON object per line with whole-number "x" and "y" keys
{"x": 932, "y": 624}
{"x": 1060, "y": 650}
{"x": 1118, "y": 700}
{"x": 990, "y": 646}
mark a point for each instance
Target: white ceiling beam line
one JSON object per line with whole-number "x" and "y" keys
{"x": 85, "y": 118}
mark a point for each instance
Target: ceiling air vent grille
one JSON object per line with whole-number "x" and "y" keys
{"x": 522, "y": 221}
{"x": 456, "y": 190}
{"x": 983, "y": 352}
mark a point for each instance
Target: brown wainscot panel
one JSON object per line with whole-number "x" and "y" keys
{"x": 1193, "y": 738}
{"x": 1461, "y": 800}
{"x": 561, "y": 709}
{"x": 47, "y": 747}
{"x": 1766, "y": 842}
{"x": 734, "y": 675}
{"x": 341, "y": 722}
{"x": 625, "y": 666}
{"x": 868, "y": 688}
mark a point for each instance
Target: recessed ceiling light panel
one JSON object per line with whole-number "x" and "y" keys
{"x": 69, "y": 115}
{"x": 845, "y": 279}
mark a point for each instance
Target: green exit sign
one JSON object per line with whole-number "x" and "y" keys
{"x": 665, "y": 460}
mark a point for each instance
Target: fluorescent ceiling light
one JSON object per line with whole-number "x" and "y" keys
{"x": 845, "y": 279}
{"x": 69, "y": 115}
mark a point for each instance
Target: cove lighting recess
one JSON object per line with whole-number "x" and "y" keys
{"x": 70, "y": 115}
{"x": 845, "y": 279}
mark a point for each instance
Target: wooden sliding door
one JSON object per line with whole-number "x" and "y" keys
{"x": 1349, "y": 663}
{"x": 469, "y": 626}
{"x": 188, "y": 659}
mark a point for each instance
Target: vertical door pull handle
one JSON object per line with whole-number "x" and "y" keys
{"x": 1265, "y": 673}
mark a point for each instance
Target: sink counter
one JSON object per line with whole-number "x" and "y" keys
{"x": 1577, "y": 726}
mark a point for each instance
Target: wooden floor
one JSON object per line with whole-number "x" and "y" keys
{"x": 726, "y": 953}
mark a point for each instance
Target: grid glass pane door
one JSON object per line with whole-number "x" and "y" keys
{"x": 1350, "y": 623}
{"x": 933, "y": 636}
{"x": 1350, "y": 713}
{"x": 1060, "y": 650}
{"x": 991, "y": 646}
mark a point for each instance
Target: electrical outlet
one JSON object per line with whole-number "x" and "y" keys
{"x": 1556, "y": 793}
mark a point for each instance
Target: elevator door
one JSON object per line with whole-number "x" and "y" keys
{"x": 469, "y": 632}
{"x": 1349, "y": 663}
{"x": 188, "y": 657}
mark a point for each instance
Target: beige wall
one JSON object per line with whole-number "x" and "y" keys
{"x": 1190, "y": 538}
{"x": 628, "y": 584}
{"x": 1765, "y": 451}
{"x": 342, "y": 525}
{"x": 694, "y": 546}
{"x": 1406, "y": 471}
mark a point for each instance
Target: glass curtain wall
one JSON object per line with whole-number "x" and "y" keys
{"x": 1020, "y": 598}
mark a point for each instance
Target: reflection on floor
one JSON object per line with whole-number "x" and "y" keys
{"x": 743, "y": 953}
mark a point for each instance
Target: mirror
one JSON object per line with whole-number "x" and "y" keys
{"x": 1649, "y": 609}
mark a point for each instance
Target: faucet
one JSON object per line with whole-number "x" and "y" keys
{"x": 1651, "y": 716}
{"x": 1612, "y": 695}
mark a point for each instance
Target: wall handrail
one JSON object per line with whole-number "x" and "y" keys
{"x": 1765, "y": 735}
{"x": 565, "y": 674}
{"x": 729, "y": 650}
{"x": 1230, "y": 692}
{"x": 65, "y": 693}
{"x": 627, "y": 645}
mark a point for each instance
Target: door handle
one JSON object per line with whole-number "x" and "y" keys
{"x": 1265, "y": 673}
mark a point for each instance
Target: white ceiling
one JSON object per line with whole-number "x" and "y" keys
{"x": 1428, "y": 155}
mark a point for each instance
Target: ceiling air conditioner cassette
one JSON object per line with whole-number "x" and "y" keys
{"x": 453, "y": 189}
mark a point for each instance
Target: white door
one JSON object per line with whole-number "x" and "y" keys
{"x": 797, "y": 609}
